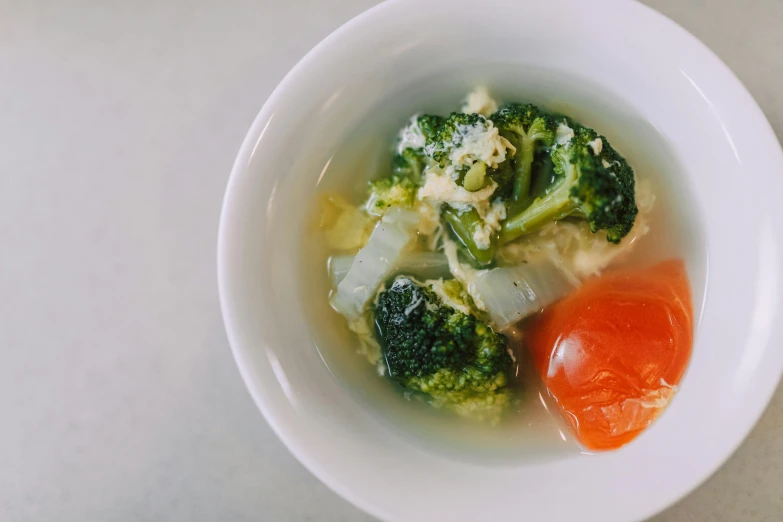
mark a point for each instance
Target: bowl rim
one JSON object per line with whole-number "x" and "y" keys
{"x": 240, "y": 166}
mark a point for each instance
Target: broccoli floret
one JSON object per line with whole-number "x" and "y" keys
{"x": 451, "y": 133}
{"x": 592, "y": 182}
{"x": 421, "y": 127}
{"x": 409, "y": 164}
{"x": 410, "y": 160}
{"x": 526, "y": 128}
{"x": 432, "y": 348}
{"x": 399, "y": 189}
{"x": 429, "y": 124}
{"x": 393, "y": 191}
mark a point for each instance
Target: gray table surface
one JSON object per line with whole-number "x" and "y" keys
{"x": 119, "y": 121}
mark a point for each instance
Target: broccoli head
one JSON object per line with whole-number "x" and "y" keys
{"x": 429, "y": 124}
{"x": 526, "y": 128}
{"x": 420, "y": 128}
{"x": 398, "y": 189}
{"x": 433, "y": 348}
{"x": 451, "y": 133}
{"x": 592, "y": 182}
{"x": 409, "y": 164}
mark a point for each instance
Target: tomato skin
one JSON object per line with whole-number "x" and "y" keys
{"x": 612, "y": 352}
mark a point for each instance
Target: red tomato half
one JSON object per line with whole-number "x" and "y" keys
{"x": 612, "y": 353}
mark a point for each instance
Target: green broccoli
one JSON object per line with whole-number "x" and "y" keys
{"x": 505, "y": 177}
{"x": 429, "y": 124}
{"x": 464, "y": 225}
{"x": 592, "y": 182}
{"x": 543, "y": 176}
{"x": 450, "y": 134}
{"x": 398, "y": 189}
{"x": 526, "y": 128}
{"x": 420, "y": 128}
{"x": 393, "y": 191}
{"x": 432, "y": 348}
{"x": 409, "y": 164}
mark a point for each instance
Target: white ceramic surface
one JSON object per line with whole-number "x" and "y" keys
{"x": 719, "y": 137}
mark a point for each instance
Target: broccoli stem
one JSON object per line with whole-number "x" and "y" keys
{"x": 464, "y": 226}
{"x": 525, "y": 143}
{"x": 554, "y": 206}
{"x": 523, "y": 166}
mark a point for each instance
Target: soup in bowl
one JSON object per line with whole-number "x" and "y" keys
{"x": 493, "y": 256}
{"x": 493, "y": 416}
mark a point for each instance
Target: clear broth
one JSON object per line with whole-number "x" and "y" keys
{"x": 534, "y": 430}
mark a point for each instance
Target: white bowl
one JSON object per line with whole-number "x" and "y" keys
{"x": 622, "y": 68}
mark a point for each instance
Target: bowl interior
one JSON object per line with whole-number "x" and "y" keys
{"x": 660, "y": 97}
{"x": 365, "y": 151}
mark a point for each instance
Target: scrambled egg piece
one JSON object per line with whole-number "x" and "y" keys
{"x": 564, "y": 133}
{"x": 440, "y": 187}
{"x": 483, "y": 236}
{"x": 480, "y": 143}
{"x": 597, "y": 145}
{"x": 480, "y": 102}
{"x": 411, "y": 136}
